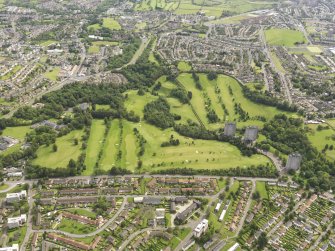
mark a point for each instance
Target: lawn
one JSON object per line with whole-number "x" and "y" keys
{"x": 18, "y": 132}
{"x": 111, "y": 23}
{"x": 260, "y": 187}
{"x": 96, "y": 45}
{"x": 66, "y": 151}
{"x": 184, "y": 66}
{"x": 197, "y": 154}
{"x": 284, "y": 37}
{"x": 94, "y": 145}
{"x": 52, "y": 74}
{"x": 11, "y": 73}
{"x": 47, "y": 43}
{"x": 108, "y": 159}
{"x": 83, "y": 212}
{"x": 223, "y": 84}
{"x": 75, "y": 227}
{"x": 320, "y": 138}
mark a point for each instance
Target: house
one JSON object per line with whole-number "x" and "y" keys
{"x": 16, "y": 221}
{"x": 182, "y": 216}
{"x": 15, "y": 197}
{"x": 152, "y": 201}
{"x": 188, "y": 245}
{"x": 172, "y": 207}
{"x": 160, "y": 213}
{"x": 201, "y": 228}
{"x": 15, "y": 247}
{"x": 234, "y": 247}
{"x": 218, "y": 205}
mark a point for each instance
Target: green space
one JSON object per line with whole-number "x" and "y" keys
{"x": 96, "y": 45}
{"x": 261, "y": 188}
{"x": 284, "y": 37}
{"x": 184, "y": 66}
{"x": 16, "y": 235}
{"x": 110, "y": 150}
{"x": 321, "y": 138}
{"x": 53, "y": 73}
{"x": 18, "y": 132}
{"x": 82, "y": 212}
{"x": 47, "y": 43}
{"x": 11, "y": 73}
{"x": 3, "y": 186}
{"x": 111, "y": 23}
{"x": 74, "y": 227}
{"x": 94, "y": 145}
{"x": 66, "y": 150}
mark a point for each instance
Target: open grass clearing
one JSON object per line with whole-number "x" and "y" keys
{"x": 111, "y": 23}
{"x": 284, "y": 37}
{"x": 66, "y": 151}
{"x": 53, "y": 74}
{"x": 320, "y": 139}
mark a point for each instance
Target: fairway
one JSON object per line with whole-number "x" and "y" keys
{"x": 94, "y": 145}
{"x": 66, "y": 151}
{"x": 284, "y": 37}
{"x": 108, "y": 159}
{"x": 18, "y": 132}
{"x": 223, "y": 84}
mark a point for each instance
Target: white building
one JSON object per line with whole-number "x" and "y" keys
{"x": 15, "y": 247}
{"x": 201, "y": 228}
{"x": 160, "y": 213}
{"x": 217, "y": 208}
{"x": 233, "y": 248}
{"x": 138, "y": 199}
{"x": 15, "y": 197}
{"x": 16, "y": 221}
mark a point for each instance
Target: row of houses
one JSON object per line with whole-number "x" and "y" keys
{"x": 80, "y": 245}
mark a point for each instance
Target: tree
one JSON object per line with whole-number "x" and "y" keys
{"x": 54, "y": 147}
{"x": 262, "y": 241}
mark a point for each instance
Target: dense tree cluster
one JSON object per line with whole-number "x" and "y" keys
{"x": 181, "y": 95}
{"x": 267, "y": 99}
{"x": 252, "y": 171}
{"x": 288, "y": 135}
{"x": 158, "y": 113}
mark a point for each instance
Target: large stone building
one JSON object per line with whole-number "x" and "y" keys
{"x": 201, "y": 228}
{"x": 251, "y": 133}
{"x": 230, "y": 129}
{"x": 294, "y": 161}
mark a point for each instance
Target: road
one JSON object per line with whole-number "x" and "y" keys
{"x": 275, "y": 160}
{"x": 284, "y": 81}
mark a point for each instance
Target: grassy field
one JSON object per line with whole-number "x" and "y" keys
{"x": 320, "y": 138}
{"x": 52, "y": 74}
{"x": 83, "y": 212}
{"x": 67, "y": 150}
{"x": 108, "y": 159}
{"x": 184, "y": 66}
{"x": 75, "y": 227}
{"x": 284, "y": 37}
{"x": 111, "y": 23}
{"x": 260, "y": 187}
{"x": 223, "y": 83}
{"x": 18, "y": 132}
{"x": 94, "y": 145}
{"x": 96, "y": 45}
{"x": 47, "y": 43}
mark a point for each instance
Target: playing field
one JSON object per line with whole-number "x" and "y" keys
{"x": 66, "y": 151}
{"x": 284, "y": 37}
{"x": 96, "y": 45}
{"x": 111, "y": 24}
{"x": 52, "y": 74}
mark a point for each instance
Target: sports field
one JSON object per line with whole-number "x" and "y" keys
{"x": 284, "y": 37}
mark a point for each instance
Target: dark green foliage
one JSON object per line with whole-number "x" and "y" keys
{"x": 180, "y": 94}
{"x": 158, "y": 113}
